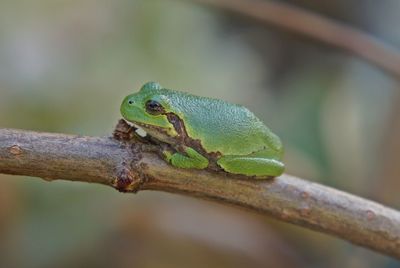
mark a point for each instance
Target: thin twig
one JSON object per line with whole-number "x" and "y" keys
{"x": 312, "y": 25}
{"x": 126, "y": 166}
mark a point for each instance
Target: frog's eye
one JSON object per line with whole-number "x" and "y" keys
{"x": 154, "y": 107}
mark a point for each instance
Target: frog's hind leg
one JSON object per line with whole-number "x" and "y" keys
{"x": 260, "y": 164}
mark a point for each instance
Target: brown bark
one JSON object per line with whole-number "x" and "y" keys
{"x": 127, "y": 166}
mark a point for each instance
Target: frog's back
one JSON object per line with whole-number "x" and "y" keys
{"x": 222, "y": 126}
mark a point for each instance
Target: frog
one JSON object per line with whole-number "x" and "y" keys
{"x": 204, "y": 133}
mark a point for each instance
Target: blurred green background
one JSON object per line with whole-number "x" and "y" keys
{"x": 66, "y": 65}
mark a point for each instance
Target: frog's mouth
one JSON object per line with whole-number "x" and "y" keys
{"x": 158, "y": 133}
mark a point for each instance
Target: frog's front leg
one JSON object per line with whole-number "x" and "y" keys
{"x": 192, "y": 159}
{"x": 259, "y": 164}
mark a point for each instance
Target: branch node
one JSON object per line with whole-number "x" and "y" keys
{"x": 127, "y": 181}
{"x": 129, "y": 177}
{"x": 16, "y": 150}
{"x": 305, "y": 195}
{"x": 370, "y": 215}
{"x": 123, "y": 131}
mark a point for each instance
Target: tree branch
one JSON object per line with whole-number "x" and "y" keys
{"x": 331, "y": 32}
{"x": 127, "y": 166}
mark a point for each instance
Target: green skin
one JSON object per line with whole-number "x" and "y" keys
{"x": 205, "y": 133}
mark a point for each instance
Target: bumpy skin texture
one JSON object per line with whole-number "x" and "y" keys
{"x": 235, "y": 138}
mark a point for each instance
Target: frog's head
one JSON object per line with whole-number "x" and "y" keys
{"x": 147, "y": 109}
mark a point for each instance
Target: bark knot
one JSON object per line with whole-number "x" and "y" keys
{"x": 15, "y": 150}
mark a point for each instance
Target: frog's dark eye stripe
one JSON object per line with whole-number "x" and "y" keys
{"x": 154, "y": 107}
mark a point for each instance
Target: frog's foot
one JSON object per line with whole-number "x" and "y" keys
{"x": 192, "y": 159}
{"x": 251, "y": 165}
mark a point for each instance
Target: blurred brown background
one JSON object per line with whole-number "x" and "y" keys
{"x": 66, "y": 65}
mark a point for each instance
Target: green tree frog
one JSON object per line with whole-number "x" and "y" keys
{"x": 202, "y": 132}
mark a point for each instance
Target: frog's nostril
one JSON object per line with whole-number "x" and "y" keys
{"x": 130, "y": 102}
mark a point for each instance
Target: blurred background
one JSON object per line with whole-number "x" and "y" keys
{"x": 66, "y": 65}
